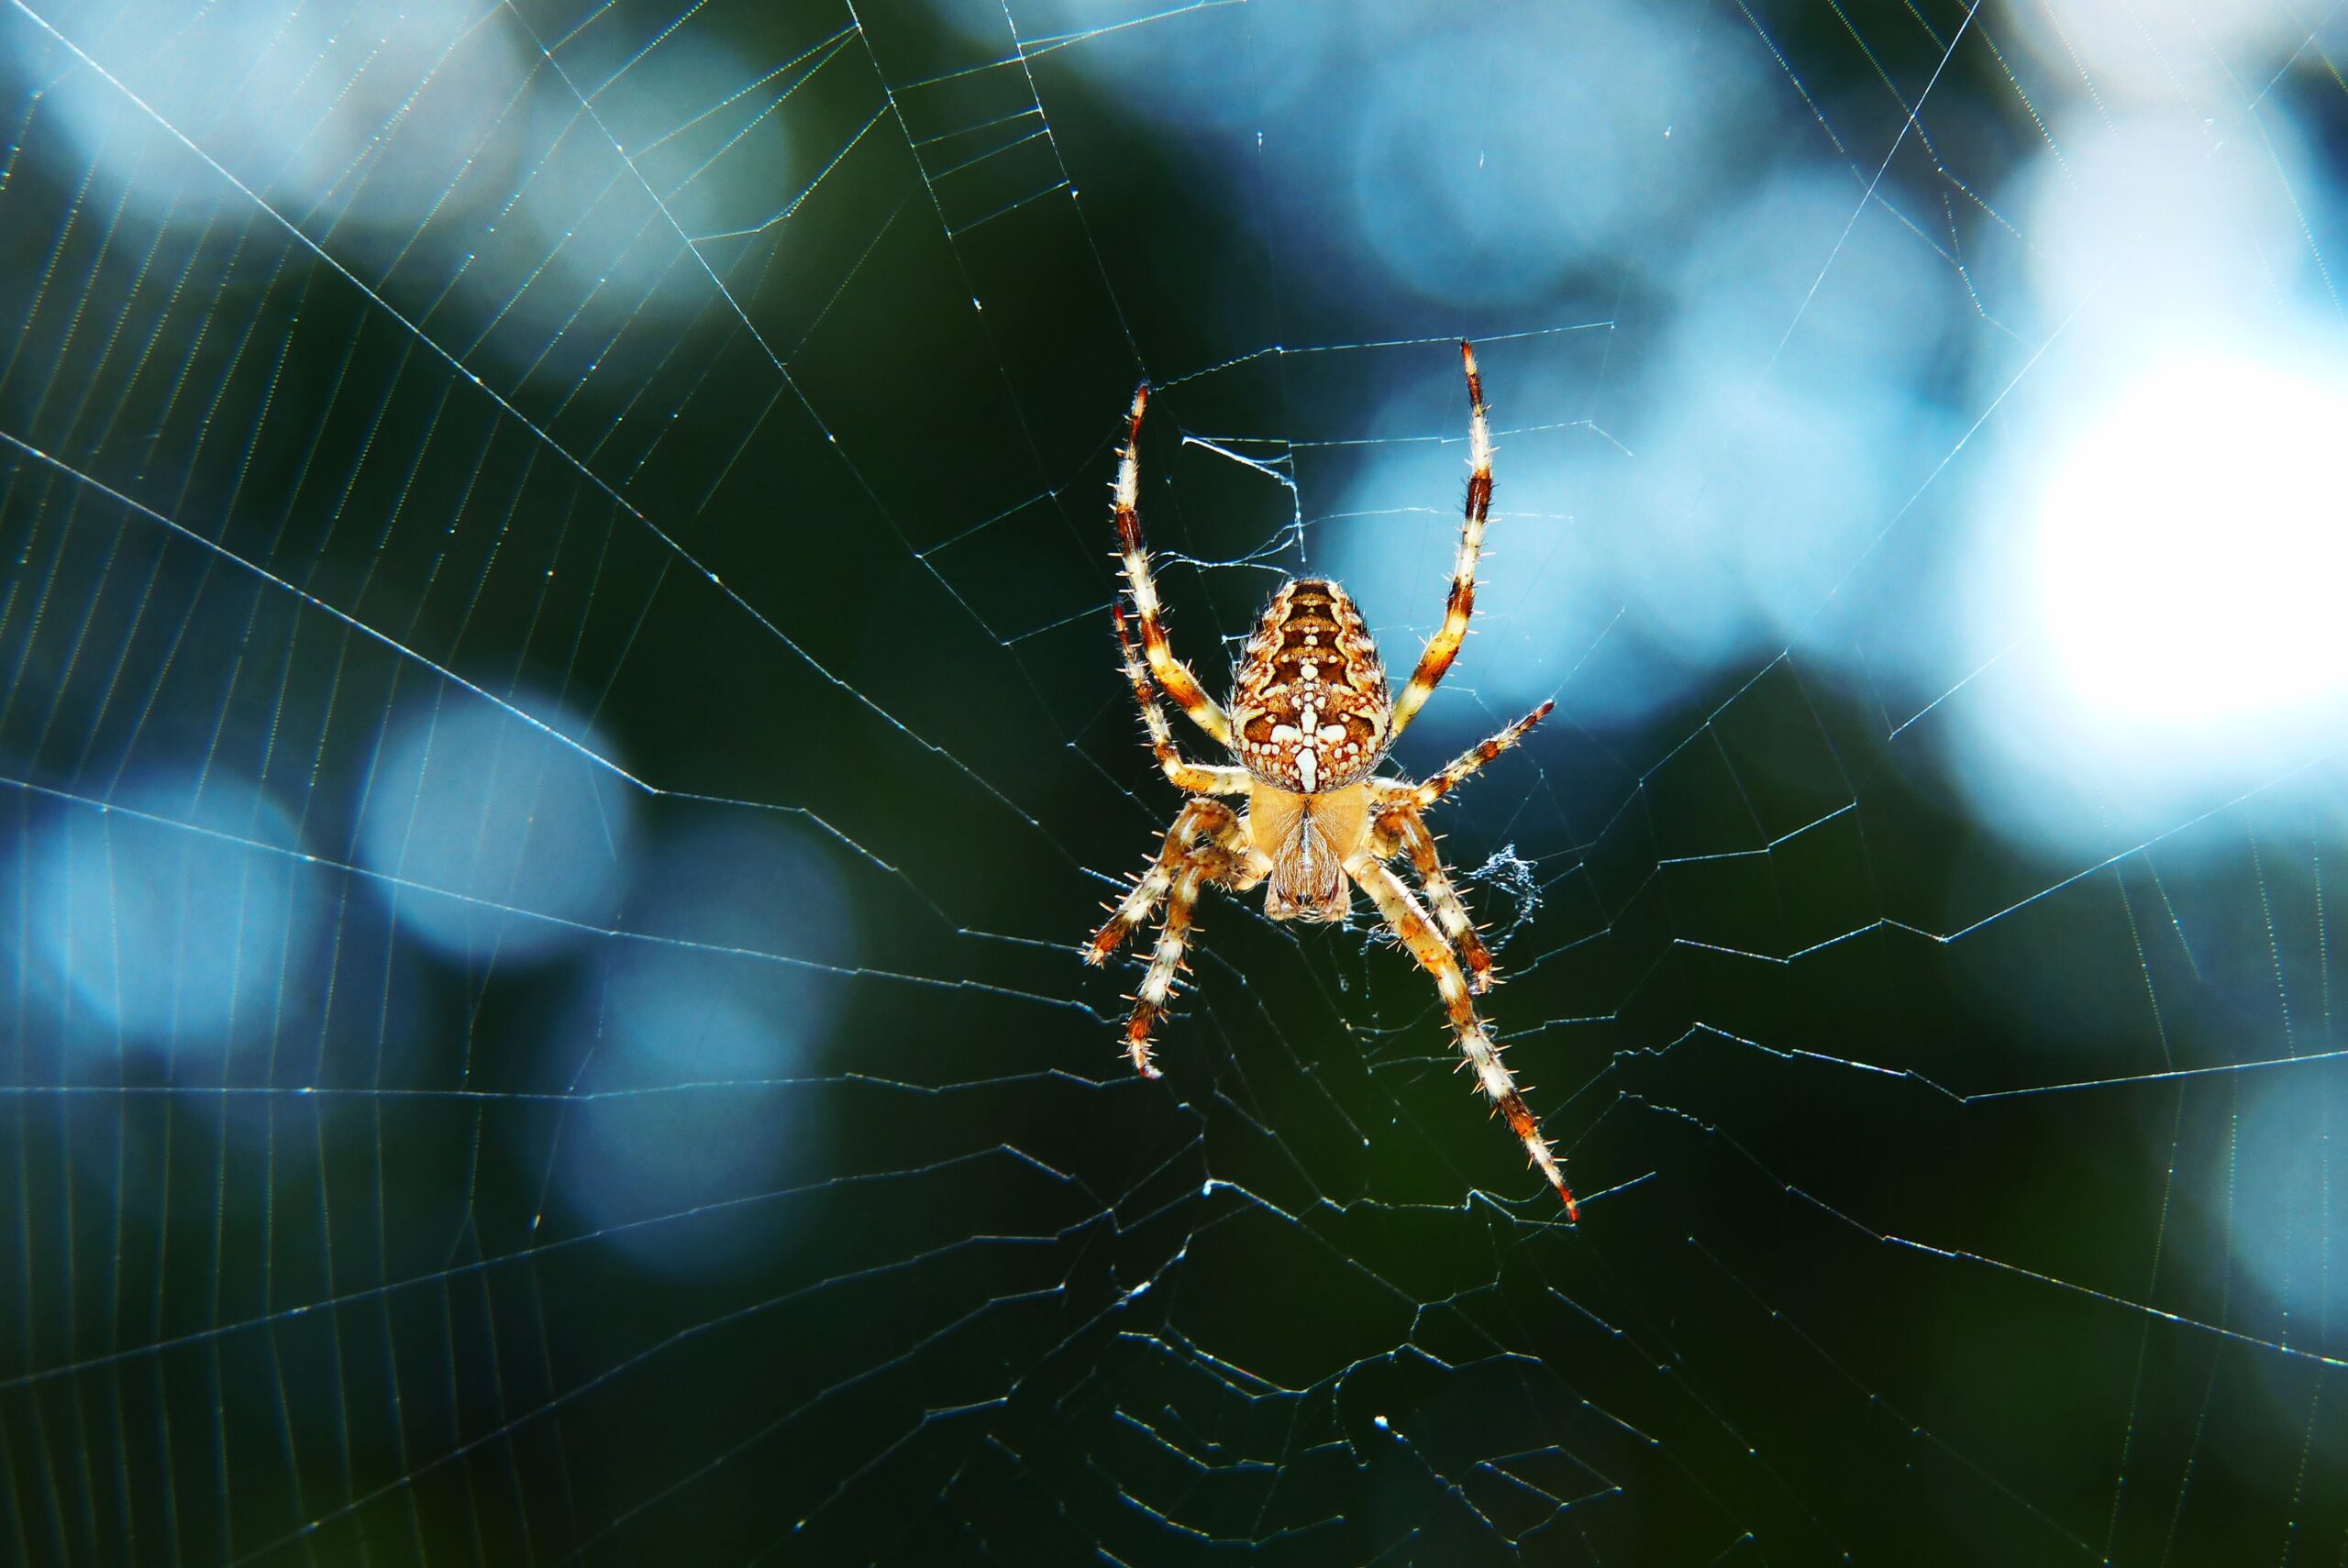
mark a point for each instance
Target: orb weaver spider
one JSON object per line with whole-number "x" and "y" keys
{"x": 1309, "y": 721}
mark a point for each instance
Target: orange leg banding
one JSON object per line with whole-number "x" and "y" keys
{"x": 1403, "y": 826}
{"x": 1435, "y": 662}
{"x": 1173, "y": 676}
{"x": 1418, "y": 933}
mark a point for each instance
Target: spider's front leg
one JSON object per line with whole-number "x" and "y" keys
{"x": 1418, "y": 933}
{"x": 1434, "y": 660}
{"x": 1193, "y": 778}
{"x": 1172, "y": 674}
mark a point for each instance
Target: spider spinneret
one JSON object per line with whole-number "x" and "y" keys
{"x": 1309, "y": 721}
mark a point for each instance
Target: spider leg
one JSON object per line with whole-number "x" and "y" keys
{"x": 1173, "y": 675}
{"x": 1227, "y": 860}
{"x": 1443, "y": 647}
{"x": 1199, "y": 818}
{"x": 1193, "y": 778}
{"x": 1156, "y": 986}
{"x": 1403, "y": 826}
{"x": 1418, "y": 933}
{"x": 1397, "y": 792}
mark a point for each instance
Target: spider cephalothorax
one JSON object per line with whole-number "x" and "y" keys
{"x": 1309, "y": 721}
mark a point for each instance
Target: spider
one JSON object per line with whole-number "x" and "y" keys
{"x": 1309, "y": 721}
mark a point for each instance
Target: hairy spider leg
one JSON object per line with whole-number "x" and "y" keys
{"x": 1418, "y": 933}
{"x": 1174, "y": 676}
{"x": 1403, "y": 826}
{"x": 1443, "y": 647}
{"x": 1193, "y": 778}
{"x": 1198, "y": 820}
{"x": 1464, "y": 766}
{"x": 1156, "y": 986}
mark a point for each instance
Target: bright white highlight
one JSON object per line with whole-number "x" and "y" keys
{"x": 2155, "y": 507}
{"x": 2192, "y": 547}
{"x": 2153, "y": 225}
{"x": 2156, "y": 50}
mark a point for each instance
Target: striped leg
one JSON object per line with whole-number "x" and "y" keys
{"x": 1463, "y": 768}
{"x": 1443, "y": 647}
{"x": 1199, "y": 818}
{"x": 1191, "y": 778}
{"x": 1157, "y": 986}
{"x": 1405, "y": 829}
{"x": 1172, "y": 674}
{"x": 1426, "y": 944}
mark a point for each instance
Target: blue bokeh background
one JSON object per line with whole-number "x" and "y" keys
{"x": 558, "y": 733}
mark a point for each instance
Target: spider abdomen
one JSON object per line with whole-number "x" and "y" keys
{"x": 1309, "y": 707}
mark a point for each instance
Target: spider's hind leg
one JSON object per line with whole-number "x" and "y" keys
{"x": 1157, "y": 986}
{"x": 1418, "y": 933}
{"x": 1208, "y": 843}
{"x": 1200, "y": 819}
{"x": 1405, "y": 828}
{"x": 1223, "y": 862}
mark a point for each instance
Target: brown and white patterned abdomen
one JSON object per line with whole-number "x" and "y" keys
{"x": 1308, "y": 708}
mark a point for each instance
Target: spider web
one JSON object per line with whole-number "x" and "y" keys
{"x": 561, "y": 735}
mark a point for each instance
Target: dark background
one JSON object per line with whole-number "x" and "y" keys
{"x": 668, "y": 1121}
